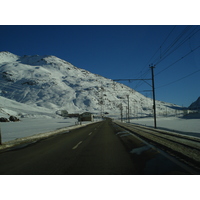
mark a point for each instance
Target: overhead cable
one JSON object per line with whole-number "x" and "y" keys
{"x": 178, "y": 60}
{"x": 171, "y": 45}
{"x": 159, "y": 47}
{"x": 179, "y": 79}
{"x": 180, "y": 44}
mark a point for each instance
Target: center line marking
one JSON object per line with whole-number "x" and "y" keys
{"x": 90, "y": 133}
{"x": 77, "y": 145}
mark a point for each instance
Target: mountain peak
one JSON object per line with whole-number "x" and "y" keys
{"x": 6, "y": 56}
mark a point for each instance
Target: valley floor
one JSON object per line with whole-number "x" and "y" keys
{"x": 27, "y": 127}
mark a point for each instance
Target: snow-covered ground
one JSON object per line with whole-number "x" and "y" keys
{"x": 44, "y": 126}
{"x": 33, "y": 120}
{"x": 186, "y": 125}
{"x": 38, "y": 127}
{"x": 28, "y": 127}
{"x": 35, "y": 88}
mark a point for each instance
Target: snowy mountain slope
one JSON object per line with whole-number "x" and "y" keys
{"x": 10, "y": 107}
{"x": 195, "y": 105}
{"x": 52, "y": 83}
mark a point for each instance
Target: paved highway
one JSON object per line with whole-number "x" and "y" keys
{"x": 91, "y": 150}
{"x": 102, "y": 148}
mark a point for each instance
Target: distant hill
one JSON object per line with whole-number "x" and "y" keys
{"x": 55, "y": 84}
{"x": 195, "y": 105}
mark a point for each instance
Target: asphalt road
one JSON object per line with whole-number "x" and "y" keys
{"x": 91, "y": 150}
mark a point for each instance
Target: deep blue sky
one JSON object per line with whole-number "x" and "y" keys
{"x": 118, "y": 52}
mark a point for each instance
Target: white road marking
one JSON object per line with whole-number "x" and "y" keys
{"x": 90, "y": 133}
{"x": 77, "y": 145}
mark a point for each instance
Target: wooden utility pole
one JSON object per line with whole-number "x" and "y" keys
{"x": 121, "y": 109}
{"x": 126, "y": 113}
{"x": 101, "y": 100}
{"x": 154, "y": 100}
{"x": 153, "y": 89}
{"x": 128, "y": 110}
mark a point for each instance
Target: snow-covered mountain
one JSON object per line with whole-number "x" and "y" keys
{"x": 50, "y": 83}
{"x": 195, "y": 105}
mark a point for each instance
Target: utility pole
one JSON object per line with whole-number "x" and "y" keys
{"x": 126, "y": 113}
{"x": 101, "y": 99}
{"x": 128, "y": 110}
{"x": 121, "y": 111}
{"x": 153, "y": 89}
{"x": 154, "y": 101}
{"x": 121, "y": 108}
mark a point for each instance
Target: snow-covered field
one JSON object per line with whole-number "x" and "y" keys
{"x": 36, "y": 128}
{"x": 36, "y": 88}
{"x": 44, "y": 126}
{"x": 28, "y": 127}
{"x": 186, "y": 125}
{"x": 33, "y": 120}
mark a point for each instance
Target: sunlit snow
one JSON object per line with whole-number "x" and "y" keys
{"x": 35, "y": 88}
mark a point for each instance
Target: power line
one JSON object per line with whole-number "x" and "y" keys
{"x": 159, "y": 48}
{"x": 168, "y": 36}
{"x": 178, "y": 60}
{"x": 179, "y": 79}
{"x": 188, "y": 37}
{"x": 170, "y": 46}
{"x": 147, "y": 71}
{"x": 142, "y": 82}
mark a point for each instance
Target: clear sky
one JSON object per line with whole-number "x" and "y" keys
{"x": 120, "y": 52}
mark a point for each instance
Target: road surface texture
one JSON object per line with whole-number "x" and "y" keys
{"x": 182, "y": 149}
{"x": 96, "y": 149}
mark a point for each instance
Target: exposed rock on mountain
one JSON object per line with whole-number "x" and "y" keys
{"x": 195, "y": 105}
{"x": 52, "y": 83}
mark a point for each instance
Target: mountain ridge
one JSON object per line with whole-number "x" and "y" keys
{"x": 195, "y": 105}
{"x": 53, "y": 83}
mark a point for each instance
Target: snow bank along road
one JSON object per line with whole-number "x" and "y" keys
{"x": 101, "y": 148}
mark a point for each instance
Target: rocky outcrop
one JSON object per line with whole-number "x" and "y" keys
{"x": 13, "y": 119}
{"x": 3, "y": 119}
